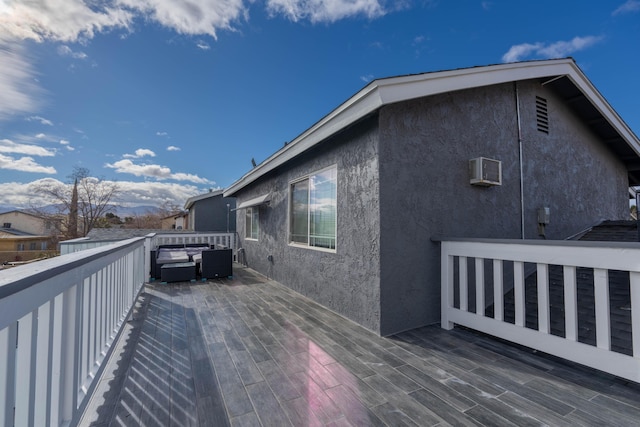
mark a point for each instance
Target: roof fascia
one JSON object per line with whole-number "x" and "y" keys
{"x": 191, "y": 200}
{"x": 396, "y": 89}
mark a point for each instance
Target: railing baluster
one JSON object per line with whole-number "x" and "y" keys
{"x": 635, "y": 312}
{"x": 603, "y": 320}
{"x": 462, "y": 283}
{"x": 43, "y": 367}
{"x": 498, "y": 294}
{"x": 544, "y": 323}
{"x": 518, "y": 292}
{"x": 25, "y": 369}
{"x": 57, "y": 360}
{"x": 480, "y": 303}
{"x": 570, "y": 303}
{"x": 8, "y": 337}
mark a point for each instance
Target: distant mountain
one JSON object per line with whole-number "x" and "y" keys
{"x": 121, "y": 211}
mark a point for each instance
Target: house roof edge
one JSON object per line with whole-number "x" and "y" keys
{"x": 390, "y": 90}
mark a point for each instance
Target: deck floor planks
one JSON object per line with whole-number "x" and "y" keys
{"x": 248, "y": 351}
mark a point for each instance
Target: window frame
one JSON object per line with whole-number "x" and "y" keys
{"x": 290, "y": 212}
{"x": 252, "y": 214}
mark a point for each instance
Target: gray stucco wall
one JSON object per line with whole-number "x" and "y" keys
{"x": 425, "y": 147}
{"x": 210, "y": 214}
{"x": 346, "y": 281}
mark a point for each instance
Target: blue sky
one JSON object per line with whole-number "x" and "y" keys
{"x": 172, "y": 97}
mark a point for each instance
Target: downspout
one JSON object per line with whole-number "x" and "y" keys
{"x": 515, "y": 84}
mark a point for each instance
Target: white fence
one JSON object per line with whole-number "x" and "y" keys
{"x": 464, "y": 278}
{"x": 58, "y": 319}
{"x": 224, "y": 239}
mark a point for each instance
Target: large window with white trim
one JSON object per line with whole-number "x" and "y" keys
{"x": 251, "y": 223}
{"x": 312, "y": 211}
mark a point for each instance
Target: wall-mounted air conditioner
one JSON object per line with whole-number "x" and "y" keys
{"x": 485, "y": 172}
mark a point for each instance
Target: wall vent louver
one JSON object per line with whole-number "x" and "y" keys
{"x": 542, "y": 115}
{"x": 485, "y": 172}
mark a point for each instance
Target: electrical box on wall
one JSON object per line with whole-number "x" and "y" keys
{"x": 485, "y": 172}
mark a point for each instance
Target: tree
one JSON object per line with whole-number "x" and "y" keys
{"x": 79, "y": 205}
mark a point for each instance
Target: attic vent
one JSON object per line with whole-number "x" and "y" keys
{"x": 542, "y": 115}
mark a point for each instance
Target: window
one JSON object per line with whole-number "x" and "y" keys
{"x": 251, "y": 223}
{"x": 6, "y": 225}
{"x": 313, "y": 210}
{"x": 32, "y": 246}
{"x": 21, "y": 246}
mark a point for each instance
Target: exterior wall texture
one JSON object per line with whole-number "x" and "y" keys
{"x": 210, "y": 214}
{"x": 425, "y": 148}
{"x": 346, "y": 281}
{"x": 27, "y": 223}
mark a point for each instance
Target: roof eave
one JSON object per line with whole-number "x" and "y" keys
{"x": 396, "y": 89}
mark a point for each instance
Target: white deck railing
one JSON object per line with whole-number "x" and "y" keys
{"x": 463, "y": 275}
{"x": 58, "y": 319}
{"x": 223, "y": 239}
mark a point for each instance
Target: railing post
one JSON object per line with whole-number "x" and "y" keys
{"x": 446, "y": 268}
{"x": 148, "y": 247}
{"x": 635, "y": 312}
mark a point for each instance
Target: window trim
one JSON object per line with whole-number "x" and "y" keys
{"x": 249, "y": 212}
{"x": 290, "y": 212}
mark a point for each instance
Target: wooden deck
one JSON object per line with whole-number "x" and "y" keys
{"x": 251, "y": 352}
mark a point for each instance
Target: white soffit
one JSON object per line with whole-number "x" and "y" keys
{"x": 256, "y": 201}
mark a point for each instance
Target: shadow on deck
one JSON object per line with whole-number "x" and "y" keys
{"x": 248, "y": 351}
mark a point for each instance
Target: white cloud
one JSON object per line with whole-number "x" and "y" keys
{"x": 140, "y": 152}
{"x": 68, "y": 20}
{"x": 630, "y": 6}
{"x": 325, "y": 10}
{"x": 173, "y": 148}
{"x": 65, "y": 50}
{"x": 19, "y": 93}
{"x": 203, "y": 45}
{"x": 190, "y": 17}
{"x": 41, "y": 136}
{"x": 8, "y": 146}
{"x": 24, "y": 164}
{"x": 367, "y": 78}
{"x": 553, "y": 50}
{"x": 67, "y": 145}
{"x": 162, "y": 134}
{"x": 40, "y": 119}
{"x": 154, "y": 171}
{"x": 22, "y": 195}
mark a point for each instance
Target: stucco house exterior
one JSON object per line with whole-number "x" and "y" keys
{"x": 350, "y": 211}
{"x": 211, "y": 212}
{"x": 27, "y": 222}
{"x": 177, "y": 221}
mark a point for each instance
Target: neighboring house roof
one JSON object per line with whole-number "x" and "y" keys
{"x": 612, "y": 231}
{"x": 562, "y": 75}
{"x": 175, "y": 215}
{"x": 192, "y": 200}
{"x": 15, "y": 233}
{"x": 23, "y": 213}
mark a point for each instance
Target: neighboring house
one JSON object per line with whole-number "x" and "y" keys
{"x": 16, "y": 245}
{"x": 211, "y": 212}
{"x": 178, "y": 221}
{"x": 349, "y": 212}
{"x": 27, "y": 222}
